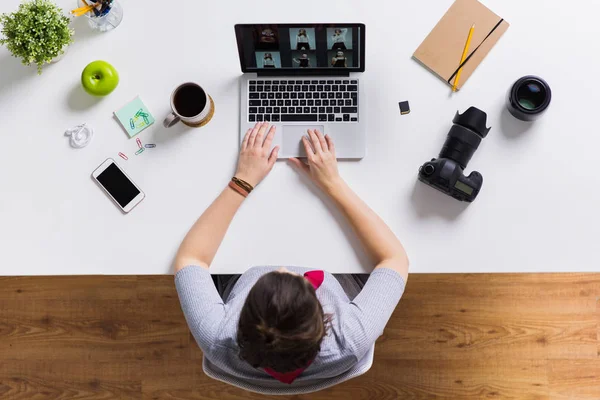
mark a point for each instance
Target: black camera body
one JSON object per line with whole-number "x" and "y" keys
{"x": 446, "y": 173}
{"x": 447, "y": 176}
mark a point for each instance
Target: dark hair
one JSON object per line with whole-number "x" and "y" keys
{"x": 282, "y": 323}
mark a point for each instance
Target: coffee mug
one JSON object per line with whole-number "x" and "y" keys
{"x": 190, "y": 104}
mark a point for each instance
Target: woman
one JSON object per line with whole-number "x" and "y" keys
{"x": 303, "y": 61}
{"x": 302, "y": 41}
{"x": 268, "y": 61}
{"x": 339, "y": 39}
{"x": 268, "y": 39}
{"x": 280, "y": 328}
{"x": 339, "y": 61}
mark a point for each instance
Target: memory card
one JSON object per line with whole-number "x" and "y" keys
{"x": 404, "y": 107}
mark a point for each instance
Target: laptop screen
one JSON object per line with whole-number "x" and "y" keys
{"x": 301, "y": 47}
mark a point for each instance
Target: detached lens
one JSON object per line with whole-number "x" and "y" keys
{"x": 528, "y": 98}
{"x": 531, "y": 95}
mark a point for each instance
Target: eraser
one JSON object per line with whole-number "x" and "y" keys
{"x": 404, "y": 107}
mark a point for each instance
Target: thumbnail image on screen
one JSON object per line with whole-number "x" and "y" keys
{"x": 268, "y": 59}
{"x": 304, "y": 59}
{"x": 339, "y": 38}
{"x": 340, "y": 59}
{"x": 266, "y": 37}
{"x": 302, "y": 39}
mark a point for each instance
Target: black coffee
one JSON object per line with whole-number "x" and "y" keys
{"x": 189, "y": 100}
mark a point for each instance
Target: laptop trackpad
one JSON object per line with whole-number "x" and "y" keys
{"x": 292, "y": 139}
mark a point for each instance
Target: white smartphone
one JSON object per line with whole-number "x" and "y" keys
{"x": 119, "y": 187}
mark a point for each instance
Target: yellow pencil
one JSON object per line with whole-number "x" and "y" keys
{"x": 82, "y": 10}
{"x": 463, "y": 58}
{"x": 78, "y": 12}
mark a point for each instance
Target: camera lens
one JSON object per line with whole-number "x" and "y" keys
{"x": 531, "y": 95}
{"x": 465, "y": 136}
{"x": 528, "y": 98}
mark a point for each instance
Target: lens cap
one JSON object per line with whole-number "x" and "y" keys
{"x": 473, "y": 119}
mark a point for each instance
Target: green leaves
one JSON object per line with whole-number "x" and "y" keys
{"x": 37, "y": 32}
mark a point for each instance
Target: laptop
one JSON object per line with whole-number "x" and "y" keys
{"x": 304, "y": 76}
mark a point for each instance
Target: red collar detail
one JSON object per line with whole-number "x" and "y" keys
{"x": 316, "y": 279}
{"x": 288, "y": 377}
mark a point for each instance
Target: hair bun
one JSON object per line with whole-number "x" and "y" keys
{"x": 269, "y": 334}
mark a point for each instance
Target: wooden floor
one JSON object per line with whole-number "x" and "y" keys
{"x": 451, "y": 337}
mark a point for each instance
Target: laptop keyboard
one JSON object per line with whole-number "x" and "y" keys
{"x": 323, "y": 100}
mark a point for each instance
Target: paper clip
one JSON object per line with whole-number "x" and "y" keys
{"x": 140, "y": 151}
{"x": 131, "y": 123}
{"x": 123, "y": 156}
{"x": 139, "y": 142}
{"x": 150, "y": 146}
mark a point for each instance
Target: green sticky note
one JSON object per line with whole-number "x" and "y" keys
{"x": 134, "y": 117}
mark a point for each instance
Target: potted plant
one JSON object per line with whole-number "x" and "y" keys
{"x": 38, "y": 32}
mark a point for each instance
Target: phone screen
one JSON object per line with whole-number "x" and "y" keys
{"x": 118, "y": 185}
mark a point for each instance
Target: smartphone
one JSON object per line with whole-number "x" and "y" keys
{"x": 119, "y": 187}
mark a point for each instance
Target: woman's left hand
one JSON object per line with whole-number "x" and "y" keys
{"x": 256, "y": 158}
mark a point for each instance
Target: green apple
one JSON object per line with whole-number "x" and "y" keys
{"x": 99, "y": 78}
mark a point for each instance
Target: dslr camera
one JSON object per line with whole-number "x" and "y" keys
{"x": 446, "y": 173}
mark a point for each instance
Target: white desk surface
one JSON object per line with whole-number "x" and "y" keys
{"x": 538, "y": 210}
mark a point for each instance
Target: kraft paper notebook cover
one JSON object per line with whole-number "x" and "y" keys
{"x": 442, "y": 49}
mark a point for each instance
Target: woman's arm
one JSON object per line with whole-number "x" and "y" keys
{"x": 204, "y": 238}
{"x": 377, "y": 238}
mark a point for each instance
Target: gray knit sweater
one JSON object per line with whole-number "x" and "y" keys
{"x": 355, "y": 327}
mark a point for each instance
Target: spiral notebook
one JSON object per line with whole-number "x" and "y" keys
{"x": 442, "y": 49}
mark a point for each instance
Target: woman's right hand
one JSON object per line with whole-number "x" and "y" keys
{"x": 322, "y": 165}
